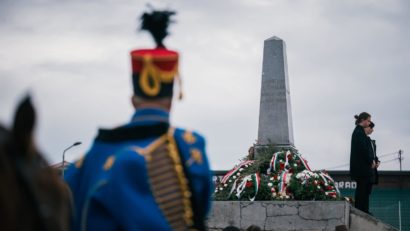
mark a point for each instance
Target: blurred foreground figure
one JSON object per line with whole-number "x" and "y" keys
{"x": 144, "y": 175}
{"x": 32, "y": 196}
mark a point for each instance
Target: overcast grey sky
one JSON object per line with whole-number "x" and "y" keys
{"x": 344, "y": 57}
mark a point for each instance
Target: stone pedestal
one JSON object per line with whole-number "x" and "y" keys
{"x": 292, "y": 216}
{"x": 279, "y": 215}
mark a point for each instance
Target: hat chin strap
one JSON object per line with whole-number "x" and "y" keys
{"x": 179, "y": 79}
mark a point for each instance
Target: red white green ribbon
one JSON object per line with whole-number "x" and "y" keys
{"x": 331, "y": 193}
{"x": 286, "y": 158}
{"x": 272, "y": 163}
{"x": 233, "y": 188}
{"x": 288, "y": 155}
{"x": 235, "y": 170}
{"x": 256, "y": 182}
{"x": 283, "y": 178}
{"x": 242, "y": 185}
{"x": 326, "y": 178}
{"x": 304, "y": 162}
{"x": 255, "y": 179}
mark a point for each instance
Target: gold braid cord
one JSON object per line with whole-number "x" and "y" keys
{"x": 169, "y": 183}
{"x": 151, "y": 76}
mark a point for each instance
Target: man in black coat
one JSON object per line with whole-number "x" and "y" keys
{"x": 362, "y": 162}
{"x": 369, "y": 130}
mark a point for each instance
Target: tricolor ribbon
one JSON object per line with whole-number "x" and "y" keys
{"x": 233, "y": 188}
{"x": 272, "y": 164}
{"x": 286, "y": 158}
{"x": 235, "y": 170}
{"x": 282, "y": 185}
{"x": 304, "y": 162}
{"x": 242, "y": 185}
{"x": 254, "y": 178}
{"x": 326, "y": 178}
{"x": 257, "y": 181}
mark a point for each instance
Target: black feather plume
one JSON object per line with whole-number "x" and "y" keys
{"x": 157, "y": 23}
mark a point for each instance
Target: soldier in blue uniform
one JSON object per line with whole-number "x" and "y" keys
{"x": 144, "y": 175}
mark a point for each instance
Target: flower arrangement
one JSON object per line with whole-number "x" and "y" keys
{"x": 283, "y": 175}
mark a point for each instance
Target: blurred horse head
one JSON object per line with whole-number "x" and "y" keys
{"x": 32, "y": 196}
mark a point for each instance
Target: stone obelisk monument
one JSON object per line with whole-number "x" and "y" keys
{"x": 275, "y": 115}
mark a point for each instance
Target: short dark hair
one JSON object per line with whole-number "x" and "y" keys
{"x": 362, "y": 116}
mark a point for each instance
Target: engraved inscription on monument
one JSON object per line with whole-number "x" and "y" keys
{"x": 275, "y": 116}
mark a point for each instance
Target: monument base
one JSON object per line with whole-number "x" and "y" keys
{"x": 261, "y": 148}
{"x": 279, "y": 215}
{"x": 292, "y": 215}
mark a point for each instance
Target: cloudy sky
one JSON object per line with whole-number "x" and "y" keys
{"x": 344, "y": 57}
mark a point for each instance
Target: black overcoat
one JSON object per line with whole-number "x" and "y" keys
{"x": 361, "y": 155}
{"x": 376, "y": 173}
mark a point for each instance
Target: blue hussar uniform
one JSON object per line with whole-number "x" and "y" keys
{"x": 117, "y": 185}
{"x": 145, "y": 175}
